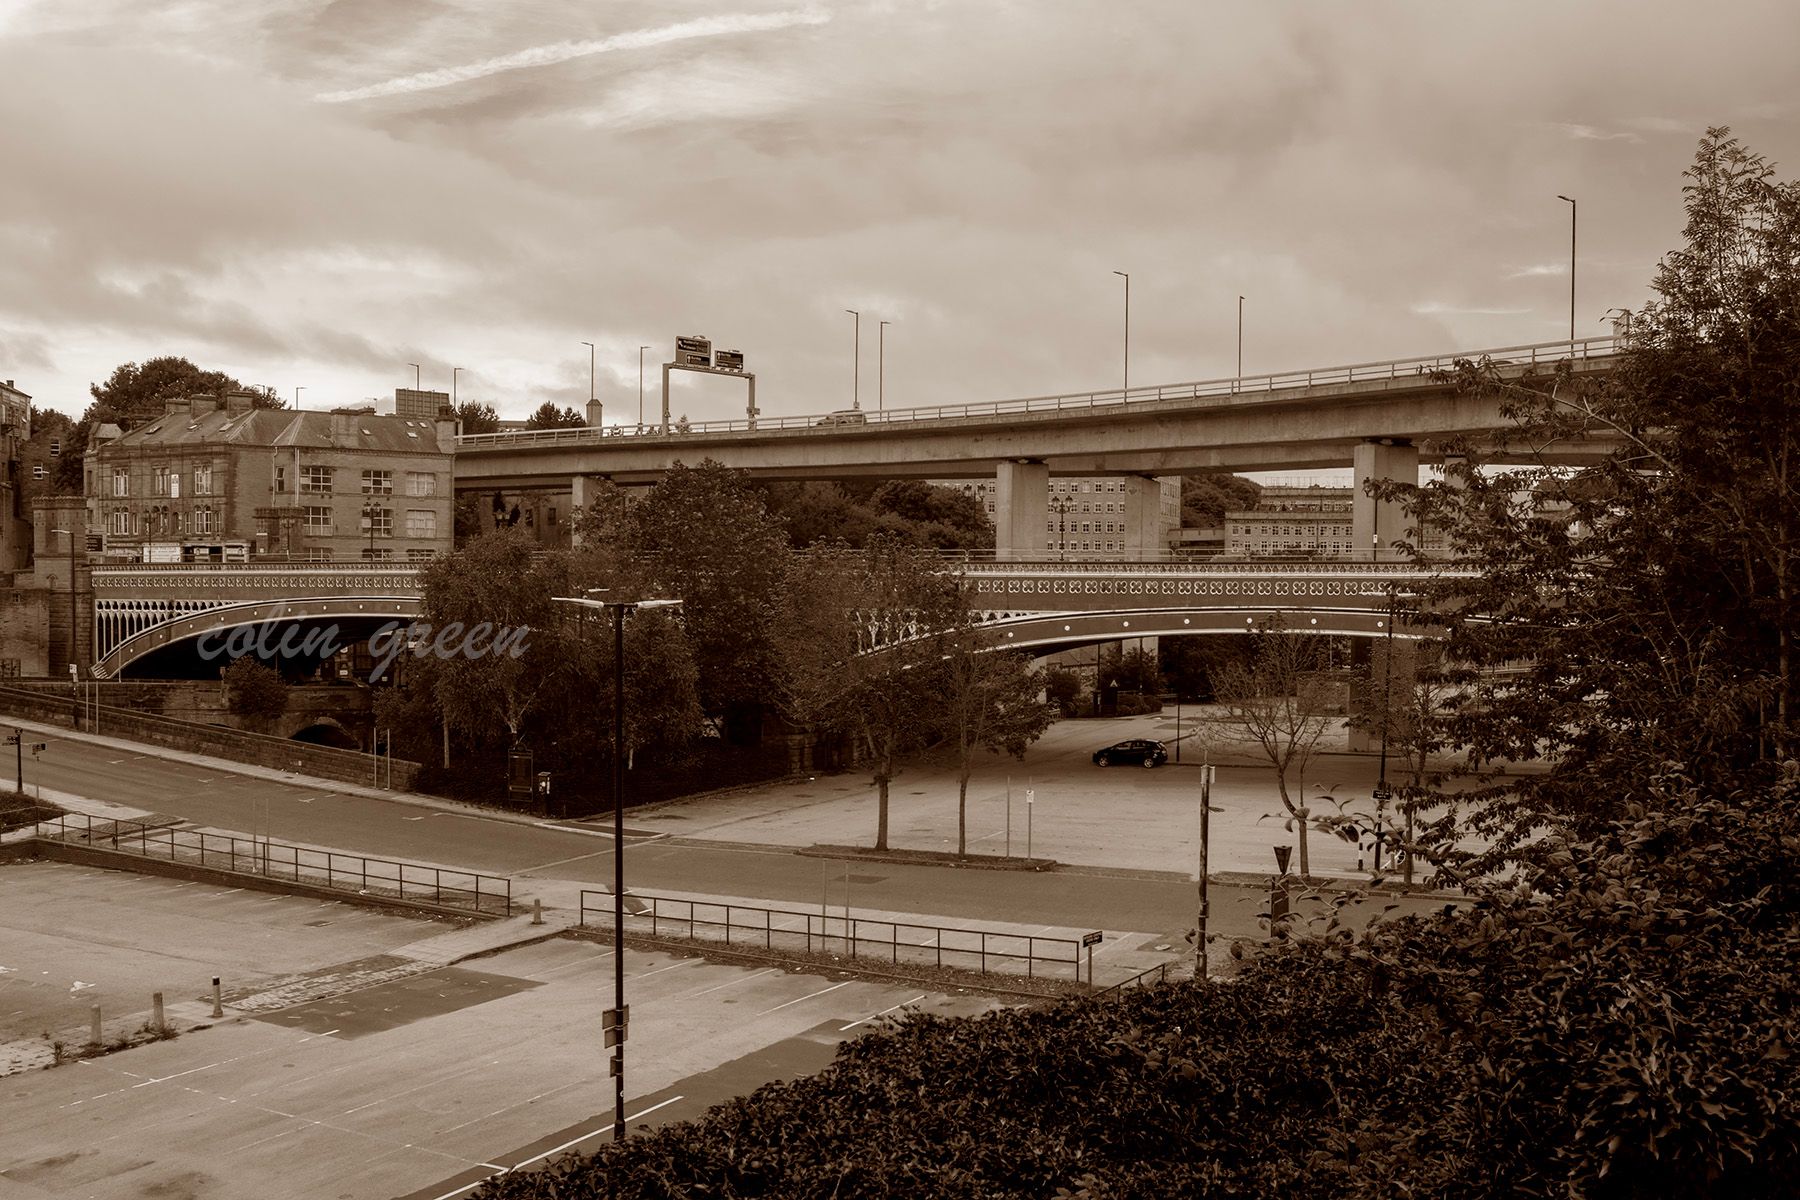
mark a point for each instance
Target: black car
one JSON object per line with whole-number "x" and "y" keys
{"x": 1144, "y": 751}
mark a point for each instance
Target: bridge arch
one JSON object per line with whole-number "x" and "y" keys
{"x": 1043, "y": 631}
{"x": 144, "y": 627}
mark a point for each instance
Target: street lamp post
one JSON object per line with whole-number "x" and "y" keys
{"x": 1387, "y": 689}
{"x": 370, "y": 510}
{"x": 881, "y": 365}
{"x": 454, "y": 372}
{"x": 1572, "y": 211}
{"x": 641, "y": 350}
{"x": 619, "y": 1018}
{"x": 1126, "y": 276}
{"x": 590, "y": 347}
{"x": 856, "y": 361}
{"x": 1238, "y": 382}
{"x": 1061, "y": 507}
{"x": 297, "y": 391}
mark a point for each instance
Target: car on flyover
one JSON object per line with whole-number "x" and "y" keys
{"x": 1145, "y": 752}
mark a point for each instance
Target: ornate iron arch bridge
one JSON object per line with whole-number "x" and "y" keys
{"x": 140, "y": 609}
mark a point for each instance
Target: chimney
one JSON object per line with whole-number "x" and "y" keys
{"x": 594, "y": 408}
{"x": 343, "y": 426}
{"x": 448, "y": 426}
{"x": 199, "y": 406}
{"x": 175, "y": 404}
{"x": 239, "y": 403}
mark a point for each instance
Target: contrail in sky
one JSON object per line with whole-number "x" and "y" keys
{"x": 559, "y": 52}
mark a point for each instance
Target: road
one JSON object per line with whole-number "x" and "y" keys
{"x": 390, "y": 828}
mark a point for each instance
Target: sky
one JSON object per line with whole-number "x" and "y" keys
{"x": 318, "y": 193}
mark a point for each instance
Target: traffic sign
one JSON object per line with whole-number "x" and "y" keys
{"x": 1030, "y": 795}
{"x": 693, "y": 351}
{"x": 1383, "y": 793}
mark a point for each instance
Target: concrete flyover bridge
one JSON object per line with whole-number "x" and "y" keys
{"x": 1372, "y": 417}
{"x": 1058, "y": 604}
{"x": 141, "y": 610}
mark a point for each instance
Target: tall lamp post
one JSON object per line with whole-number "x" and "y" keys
{"x": 1572, "y": 211}
{"x": 1126, "y": 276}
{"x": 454, "y": 372}
{"x": 1238, "y": 382}
{"x": 881, "y": 365}
{"x": 641, "y": 350}
{"x": 617, "y": 1022}
{"x": 370, "y": 510}
{"x": 856, "y": 362}
{"x": 1382, "y": 793}
{"x": 297, "y": 390}
{"x": 1062, "y": 507}
{"x": 590, "y": 347}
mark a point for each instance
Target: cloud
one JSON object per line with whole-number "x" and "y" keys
{"x": 1590, "y": 133}
{"x": 561, "y": 52}
{"x": 1434, "y": 308}
{"x": 1539, "y": 269}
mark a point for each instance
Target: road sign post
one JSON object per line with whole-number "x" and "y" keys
{"x": 1206, "y": 777}
{"x": 1088, "y": 942}
{"x": 1030, "y": 798}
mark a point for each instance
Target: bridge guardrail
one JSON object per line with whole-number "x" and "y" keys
{"x": 467, "y": 890}
{"x": 1235, "y": 389}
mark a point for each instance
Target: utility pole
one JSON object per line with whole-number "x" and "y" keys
{"x": 856, "y": 362}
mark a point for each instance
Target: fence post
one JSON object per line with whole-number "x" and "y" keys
{"x": 94, "y": 1038}
{"x": 156, "y": 1012}
{"x": 218, "y": 1008}
{"x": 850, "y": 929}
{"x": 896, "y": 928}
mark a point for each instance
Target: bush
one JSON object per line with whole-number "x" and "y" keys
{"x": 1063, "y": 689}
{"x": 257, "y": 693}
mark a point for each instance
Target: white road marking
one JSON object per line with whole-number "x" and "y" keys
{"x": 884, "y": 1012}
{"x": 558, "y": 1149}
{"x": 834, "y": 987}
{"x": 726, "y": 984}
{"x": 686, "y": 962}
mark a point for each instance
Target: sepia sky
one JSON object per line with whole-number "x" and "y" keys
{"x": 319, "y": 192}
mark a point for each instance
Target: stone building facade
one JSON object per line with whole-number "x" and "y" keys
{"x": 216, "y": 480}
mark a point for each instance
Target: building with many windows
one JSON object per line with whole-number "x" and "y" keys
{"x": 1126, "y": 516}
{"x": 217, "y": 480}
{"x": 1305, "y": 522}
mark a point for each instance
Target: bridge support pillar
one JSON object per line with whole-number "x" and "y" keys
{"x": 1374, "y": 527}
{"x": 581, "y": 494}
{"x": 1021, "y": 509}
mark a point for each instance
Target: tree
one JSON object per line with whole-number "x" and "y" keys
{"x": 548, "y": 416}
{"x": 500, "y": 581}
{"x": 1205, "y": 499}
{"x": 703, "y": 536}
{"x": 860, "y": 650}
{"x": 1132, "y": 670}
{"x": 1652, "y": 593}
{"x": 1062, "y": 688}
{"x": 477, "y": 417}
{"x": 255, "y": 692}
{"x": 990, "y": 702}
{"x": 1274, "y": 697}
{"x": 940, "y": 517}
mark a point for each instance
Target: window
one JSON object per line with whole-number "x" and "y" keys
{"x": 121, "y": 522}
{"x": 380, "y": 521}
{"x": 203, "y": 480}
{"x": 55, "y": 447}
{"x": 421, "y": 523}
{"x": 315, "y": 479}
{"x": 203, "y": 518}
{"x": 38, "y": 472}
{"x": 316, "y": 554}
{"x": 175, "y": 484}
{"x": 378, "y": 483}
{"x": 420, "y": 483}
{"x": 318, "y": 518}
{"x": 416, "y": 554}
{"x": 280, "y": 479}
{"x": 370, "y": 555}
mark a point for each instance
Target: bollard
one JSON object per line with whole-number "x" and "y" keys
{"x": 537, "y": 912}
{"x": 156, "y": 1013}
{"x": 94, "y": 1040}
{"x": 218, "y": 1009}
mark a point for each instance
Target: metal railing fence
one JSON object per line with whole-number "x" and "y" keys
{"x": 352, "y": 873}
{"x": 1235, "y": 389}
{"x": 986, "y": 952}
{"x": 1161, "y": 973}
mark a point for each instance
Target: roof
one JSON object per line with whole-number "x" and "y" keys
{"x": 306, "y": 429}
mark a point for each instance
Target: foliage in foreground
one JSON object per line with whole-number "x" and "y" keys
{"x": 1621, "y": 1028}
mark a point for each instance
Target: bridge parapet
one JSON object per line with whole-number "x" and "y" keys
{"x": 253, "y": 581}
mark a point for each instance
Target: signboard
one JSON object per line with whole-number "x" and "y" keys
{"x": 693, "y": 351}
{"x": 729, "y": 360}
{"x": 1382, "y": 793}
{"x": 162, "y": 552}
{"x": 1090, "y": 939}
{"x": 279, "y": 513}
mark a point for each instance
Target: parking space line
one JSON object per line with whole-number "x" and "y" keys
{"x": 884, "y": 1012}
{"x": 728, "y": 983}
{"x": 834, "y": 987}
{"x": 686, "y": 962}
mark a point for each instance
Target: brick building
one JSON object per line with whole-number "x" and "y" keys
{"x": 1126, "y": 516}
{"x": 215, "y": 479}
